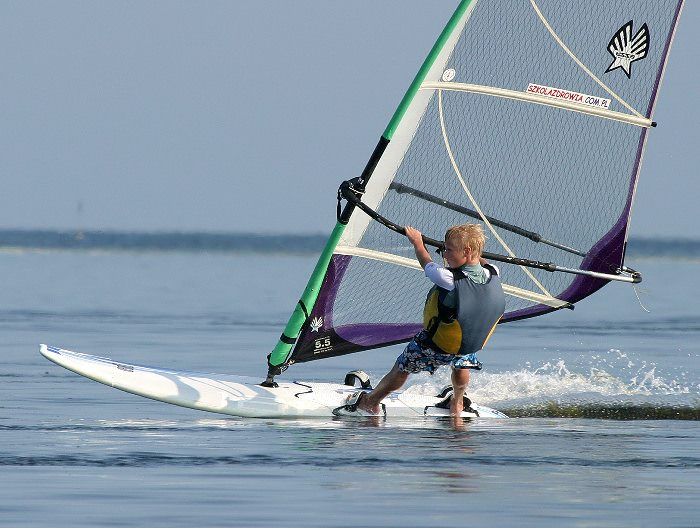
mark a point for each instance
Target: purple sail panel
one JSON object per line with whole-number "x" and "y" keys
{"x": 316, "y": 339}
{"x": 606, "y": 257}
{"x": 329, "y": 290}
{"x": 376, "y": 335}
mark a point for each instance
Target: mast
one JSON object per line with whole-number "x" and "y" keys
{"x": 278, "y": 359}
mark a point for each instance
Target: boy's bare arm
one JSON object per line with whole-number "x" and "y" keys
{"x": 416, "y": 238}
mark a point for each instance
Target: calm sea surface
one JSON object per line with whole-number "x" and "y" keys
{"x": 605, "y": 400}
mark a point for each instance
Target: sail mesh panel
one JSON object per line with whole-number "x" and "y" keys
{"x": 566, "y": 175}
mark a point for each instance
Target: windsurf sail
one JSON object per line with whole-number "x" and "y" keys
{"x": 529, "y": 117}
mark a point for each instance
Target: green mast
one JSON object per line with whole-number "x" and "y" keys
{"x": 280, "y": 355}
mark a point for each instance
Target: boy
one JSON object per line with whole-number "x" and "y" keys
{"x": 460, "y": 313}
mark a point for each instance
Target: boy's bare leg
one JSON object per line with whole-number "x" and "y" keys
{"x": 460, "y": 380}
{"x": 394, "y": 380}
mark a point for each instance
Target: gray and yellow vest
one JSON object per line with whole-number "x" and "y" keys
{"x": 465, "y": 324}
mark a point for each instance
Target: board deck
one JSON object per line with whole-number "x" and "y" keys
{"x": 240, "y": 395}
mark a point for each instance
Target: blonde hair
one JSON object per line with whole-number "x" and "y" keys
{"x": 467, "y": 236}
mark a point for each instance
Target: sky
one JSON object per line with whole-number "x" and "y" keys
{"x": 245, "y": 115}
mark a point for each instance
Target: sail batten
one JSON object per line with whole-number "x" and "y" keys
{"x": 632, "y": 119}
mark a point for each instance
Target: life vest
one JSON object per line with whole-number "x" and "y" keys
{"x": 466, "y": 327}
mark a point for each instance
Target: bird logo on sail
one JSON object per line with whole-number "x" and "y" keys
{"x": 627, "y": 49}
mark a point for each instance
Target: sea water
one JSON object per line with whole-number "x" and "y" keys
{"x": 605, "y": 403}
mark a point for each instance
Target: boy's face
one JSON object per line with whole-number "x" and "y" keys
{"x": 457, "y": 256}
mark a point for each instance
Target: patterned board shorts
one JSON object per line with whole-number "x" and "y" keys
{"x": 418, "y": 357}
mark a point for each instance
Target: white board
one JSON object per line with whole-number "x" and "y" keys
{"x": 240, "y": 395}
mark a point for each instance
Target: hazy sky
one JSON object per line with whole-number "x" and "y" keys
{"x": 245, "y": 115}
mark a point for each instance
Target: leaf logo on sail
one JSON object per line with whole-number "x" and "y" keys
{"x": 316, "y": 324}
{"x": 627, "y": 49}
